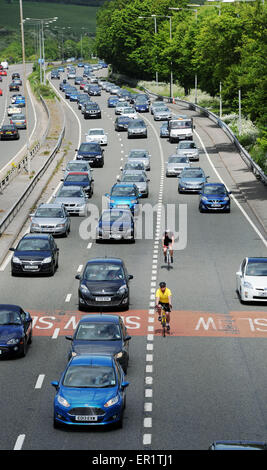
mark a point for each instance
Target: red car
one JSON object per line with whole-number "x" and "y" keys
{"x": 3, "y": 72}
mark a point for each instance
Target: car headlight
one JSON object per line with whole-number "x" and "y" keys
{"x": 118, "y": 355}
{"x": 13, "y": 341}
{"x": 60, "y": 225}
{"x": 133, "y": 201}
{"x": 35, "y": 225}
{"x": 112, "y": 401}
{"x": 63, "y": 401}
{"x": 122, "y": 289}
{"x": 47, "y": 260}
{"x": 226, "y": 198}
{"x": 15, "y": 259}
{"x": 248, "y": 285}
{"x": 204, "y": 198}
{"x": 84, "y": 289}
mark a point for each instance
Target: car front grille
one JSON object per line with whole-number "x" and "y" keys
{"x": 86, "y": 411}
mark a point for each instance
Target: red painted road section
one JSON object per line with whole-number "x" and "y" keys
{"x": 241, "y": 324}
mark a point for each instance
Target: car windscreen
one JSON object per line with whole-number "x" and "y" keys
{"x": 133, "y": 178}
{"x": 77, "y": 167}
{"x": 215, "y": 190}
{"x": 67, "y": 192}
{"x": 90, "y": 147}
{"x": 177, "y": 160}
{"x": 8, "y": 317}
{"x": 187, "y": 145}
{"x": 19, "y": 117}
{"x": 120, "y": 191}
{"x": 87, "y": 376}
{"x": 96, "y": 132}
{"x": 77, "y": 178}
{"x": 115, "y": 216}
{"x": 180, "y": 124}
{"x": 133, "y": 165}
{"x": 256, "y": 269}
{"x": 49, "y": 212}
{"x": 192, "y": 174}
{"x": 98, "y": 332}
{"x": 137, "y": 154}
{"x": 103, "y": 272}
{"x": 137, "y": 124}
{"x": 34, "y": 244}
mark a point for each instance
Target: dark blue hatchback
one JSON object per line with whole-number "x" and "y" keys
{"x": 101, "y": 334}
{"x": 214, "y": 197}
{"x": 15, "y": 330}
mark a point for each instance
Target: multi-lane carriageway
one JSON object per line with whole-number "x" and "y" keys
{"x": 207, "y": 379}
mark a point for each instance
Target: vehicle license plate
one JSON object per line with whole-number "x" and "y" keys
{"x": 28, "y": 266}
{"x": 103, "y": 299}
{"x": 85, "y": 418}
{"x": 8, "y": 132}
{"x": 216, "y": 205}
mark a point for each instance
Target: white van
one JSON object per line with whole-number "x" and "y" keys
{"x": 4, "y": 64}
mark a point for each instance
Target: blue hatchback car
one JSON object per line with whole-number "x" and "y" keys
{"x": 124, "y": 196}
{"x": 214, "y": 197}
{"x": 112, "y": 101}
{"x": 142, "y": 106}
{"x": 91, "y": 391}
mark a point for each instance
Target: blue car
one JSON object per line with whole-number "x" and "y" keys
{"x": 191, "y": 180}
{"x": 124, "y": 196}
{"x": 74, "y": 95}
{"x": 115, "y": 224}
{"x": 69, "y": 91}
{"x": 91, "y": 392}
{"x": 80, "y": 178}
{"x": 101, "y": 334}
{"x": 214, "y": 197}
{"x": 20, "y": 101}
{"x": 142, "y": 106}
{"x": 15, "y": 330}
{"x": 112, "y": 101}
{"x": 92, "y": 152}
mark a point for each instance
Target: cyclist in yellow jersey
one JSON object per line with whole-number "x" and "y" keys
{"x": 164, "y": 297}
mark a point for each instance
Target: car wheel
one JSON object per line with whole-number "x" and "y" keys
{"x": 119, "y": 424}
{"x": 23, "y": 349}
{"x": 30, "y": 338}
{"x": 52, "y": 272}
{"x": 56, "y": 424}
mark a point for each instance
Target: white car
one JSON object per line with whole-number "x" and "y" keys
{"x": 97, "y": 135}
{"x": 120, "y": 106}
{"x": 13, "y": 109}
{"x": 251, "y": 280}
{"x": 129, "y": 112}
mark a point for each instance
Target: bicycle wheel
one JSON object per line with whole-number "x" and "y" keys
{"x": 163, "y": 323}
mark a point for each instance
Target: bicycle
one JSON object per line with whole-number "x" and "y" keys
{"x": 161, "y": 309}
{"x": 168, "y": 259}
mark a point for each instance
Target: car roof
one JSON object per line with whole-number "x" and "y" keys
{"x": 215, "y": 184}
{"x": 44, "y": 236}
{"x": 13, "y": 308}
{"x": 52, "y": 205}
{"x": 92, "y": 359}
{"x": 100, "y": 318}
{"x": 105, "y": 260}
{"x": 130, "y": 185}
{"x": 257, "y": 260}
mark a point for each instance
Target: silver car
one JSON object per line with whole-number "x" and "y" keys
{"x": 191, "y": 180}
{"x": 162, "y": 113}
{"x": 155, "y": 105}
{"x": 120, "y": 106}
{"x": 132, "y": 165}
{"x": 77, "y": 165}
{"x": 137, "y": 128}
{"x": 73, "y": 198}
{"x": 138, "y": 177}
{"x": 176, "y": 164}
{"x": 19, "y": 120}
{"x": 140, "y": 155}
{"x": 50, "y": 218}
{"x": 188, "y": 148}
{"x": 72, "y": 75}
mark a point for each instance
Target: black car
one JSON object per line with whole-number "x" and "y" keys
{"x": 55, "y": 74}
{"x": 122, "y": 122}
{"x": 9, "y": 131}
{"x": 92, "y": 152}
{"x": 15, "y": 330}
{"x": 92, "y": 110}
{"x": 13, "y": 86}
{"x": 80, "y": 178}
{"x": 35, "y": 254}
{"x": 101, "y": 334}
{"x": 238, "y": 445}
{"x": 104, "y": 283}
{"x": 15, "y": 75}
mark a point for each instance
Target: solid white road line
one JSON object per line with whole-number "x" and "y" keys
{"x": 19, "y": 442}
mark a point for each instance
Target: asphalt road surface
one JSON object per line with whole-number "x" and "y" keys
{"x": 206, "y": 380}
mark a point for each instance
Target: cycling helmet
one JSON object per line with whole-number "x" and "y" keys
{"x": 162, "y": 284}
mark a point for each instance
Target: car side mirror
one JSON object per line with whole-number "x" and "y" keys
{"x": 69, "y": 338}
{"x": 118, "y": 178}
{"x": 239, "y": 273}
{"x": 11, "y": 249}
{"x": 78, "y": 276}
{"x": 130, "y": 276}
{"x": 125, "y": 384}
{"x": 107, "y": 195}
{"x": 207, "y": 177}
{"x": 55, "y": 384}
{"x": 127, "y": 338}
{"x": 230, "y": 192}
